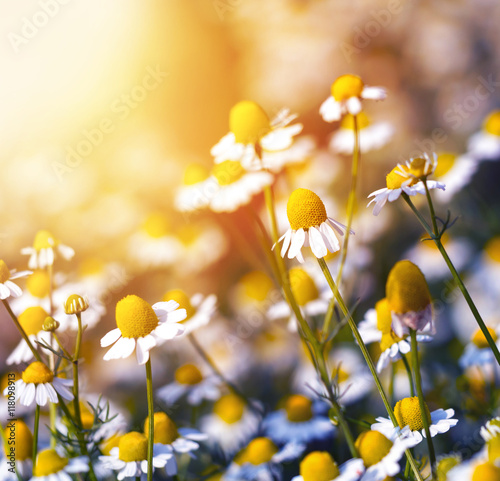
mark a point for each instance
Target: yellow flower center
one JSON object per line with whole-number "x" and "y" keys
{"x": 444, "y": 465}
{"x": 19, "y": 431}
{"x": 492, "y": 249}
{"x": 4, "y": 272}
{"x": 348, "y": 121}
{"x": 445, "y": 161}
{"x": 419, "y": 167}
{"x": 37, "y": 373}
{"x": 49, "y": 462}
{"x": 110, "y": 443}
{"x": 38, "y": 284}
{"x": 407, "y": 412}
{"x": 298, "y": 408}
{"x": 44, "y": 240}
{"x": 135, "y": 317}
{"x": 493, "y": 446}
{"x": 388, "y": 339}
{"x": 164, "y": 428}
{"x": 32, "y": 320}
{"x": 91, "y": 266}
{"x": 256, "y": 285}
{"x": 179, "y": 296}
{"x": 194, "y": 174}
{"x": 395, "y": 178}
{"x": 428, "y": 244}
{"x": 347, "y": 86}
{"x": 486, "y": 472}
{"x": 479, "y": 339}
{"x": 318, "y": 466}
{"x": 258, "y": 451}
{"x": 228, "y": 172}
{"x": 406, "y": 289}
{"x": 188, "y": 234}
{"x": 372, "y": 447}
{"x": 188, "y": 374}
{"x": 132, "y": 447}
{"x": 341, "y": 374}
{"x": 305, "y": 209}
{"x": 75, "y": 304}
{"x": 230, "y": 408}
{"x": 156, "y": 225}
{"x": 86, "y": 414}
{"x": 384, "y": 317}
{"x": 248, "y": 122}
{"x": 492, "y": 123}
{"x": 303, "y": 287}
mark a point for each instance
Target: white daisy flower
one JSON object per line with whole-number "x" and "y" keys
{"x": 346, "y": 95}
{"x": 407, "y": 412}
{"x": 396, "y": 349}
{"x": 142, "y": 327}
{"x": 478, "y": 351}
{"x": 319, "y": 465}
{"x": 7, "y": 287}
{"x": 39, "y": 384}
{"x": 485, "y": 144}
{"x": 17, "y": 457}
{"x": 371, "y": 136}
{"x": 309, "y": 226}
{"x": 43, "y": 252}
{"x": 50, "y": 466}
{"x": 297, "y": 422}
{"x": 196, "y": 189}
{"x": 445, "y": 463}
{"x": 257, "y": 142}
{"x": 454, "y": 171}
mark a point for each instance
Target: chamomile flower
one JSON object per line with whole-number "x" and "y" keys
{"x": 50, "y": 466}
{"x": 478, "y": 352}
{"x": 43, "y": 252}
{"x": 256, "y": 141}
{"x": 141, "y": 327}
{"x": 320, "y": 466}
{"x": 445, "y": 463}
{"x": 371, "y": 136}
{"x": 407, "y": 412}
{"x": 309, "y": 226}
{"x": 7, "y": 287}
{"x": 297, "y": 422}
{"x": 254, "y": 292}
{"x": 18, "y": 456}
{"x": 475, "y": 469}
{"x": 485, "y": 144}
{"x": 346, "y": 95}
{"x": 196, "y": 189}
{"x": 39, "y": 384}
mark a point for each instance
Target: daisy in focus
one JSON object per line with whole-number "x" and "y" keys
{"x": 346, "y": 95}
{"x": 51, "y": 466}
{"x": 259, "y": 143}
{"x": 309, "y": 226}
{"x": 485, "y": 144}
{"x": 44, "y": 250}
{"x": 320, "y": 466}
{"x": 142, "y": 327}
{"x": 7, "y": 287}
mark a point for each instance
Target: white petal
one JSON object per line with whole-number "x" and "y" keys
{"x": 354, "y": 105}
{"x": 123, "y": 348}
{"x": 393, "y": 194}
{"x": 15, "y": 290}
{"x": 317, "y": 244}
{"x": 332, "y": 243}
{"x": 41, "y": 394}
{"x": 169, "y": 331}
{"x": 143, "y": 346}
{"x": 4, "y": 291}
{"x": 330, "y": 110}
{"x": 28, "y": 395}
{"x": 298, "y": 240}
{"x": 286, "y": 242}
{"x": 51, "y": 393}
{"x": 374, "y": 93}
{"x": 111, "y": 337}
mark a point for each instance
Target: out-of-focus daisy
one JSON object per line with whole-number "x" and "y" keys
{"x": 371, "y": 136}
{"x": 478, "y": 352}
{"x": 406, "y": 178}
{"x": 190, "y": 382}
{"x": 254, "y": 291}
{"x": 407, "y": 412}
{"x": 297, "y": 422}
{"x": 38, "y": 383}
{"x": 255, "y": 140}
{"x": 346, "y": 95}
{"x": 485, "y": 144}
{"x": 43, "y": 252}
{"x": 320, "y": 466}
{"x": 50, "y": 466}
{"x": 141, "y": 327}
{"x": 231, "y": 424}
{"x": 486, "y": 271}
{"x": 7, "y": 287}
{"x": 309, "y": 226}
{"x": 445, "y": 463}
{"x": 196, "y": 189}
{"x": 491, "y": 429}
{"x": 18, "y": 456}
{"x": 475, "y": 469}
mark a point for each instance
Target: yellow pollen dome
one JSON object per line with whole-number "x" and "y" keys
{"x": 188, "y": 374}
{"x": 384, "y": 317}
{"x": 445, "y": 161}
{"x": 75, "y": 304}
{"x": 388, "y": 339}
{"x": 298, "y": 408}
{"x": 248, "y": 122}
{"x": 132, "y": 447}
{"x": 419, "y": 167}
{"x": 37, "y": 373}
{"x": 179, "y": 296}
{"x": 258, "y": 451}
{"x": 305, "y": 209}
{"x": 32, "y": 320}
{"x": 49, "y": 462}
{"x": 165, "y": 430}
{"x": 372, "y": 447}
{"x": 303, "y": 287}
{"x": 19, "y": 431}
{"x": 194, "y": 174}
{"x": 347, "y": 86}
{"x": 492, "y": 123}
{"x": 230, "y": 408}
{"x": 492, "y": 249}
{"x": 110, "y": 443}
{"x": 44, "y": 240}
{"x": 362, "y": 120}
{"x": 256, "y": 285}
{"x": 395, "y": 178}
{"x": 38, "y": 284}
{"x": 135, "y": 317}
{"x": 407, "y": 412}
{"x": 479, "y": 339}
{"x": 406, "y": 289}
{"x": 228, "y": 172}
{"x": 486, "y": 472}
{"x": 318, "y": 466}
{"x": 90, "y": 266}
{"x": 156, "y": 225}
{"x": 4, "y": 272}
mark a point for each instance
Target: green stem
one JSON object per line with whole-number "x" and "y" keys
{"x": 76, "y": 399}
{"x": 52, "y": 406}
{"x": 151, "y": 432}
{"x": 35, "y": 435}
{"x": 408, "y": 371}
{"x": 421, "y": 402}
{"x": 391, "y": 382}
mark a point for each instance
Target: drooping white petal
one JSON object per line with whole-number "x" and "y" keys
{"x": 353, "y": 105}
{"x": 142, "y": 348}
{"x": 316, "y": 242}
{"x": 298, "y": 240}
{"x": 41, "y": 394}
{"x": 15, "y": 290}
{"x": 330, "y": 110}
{"x": 111, "y": 337}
